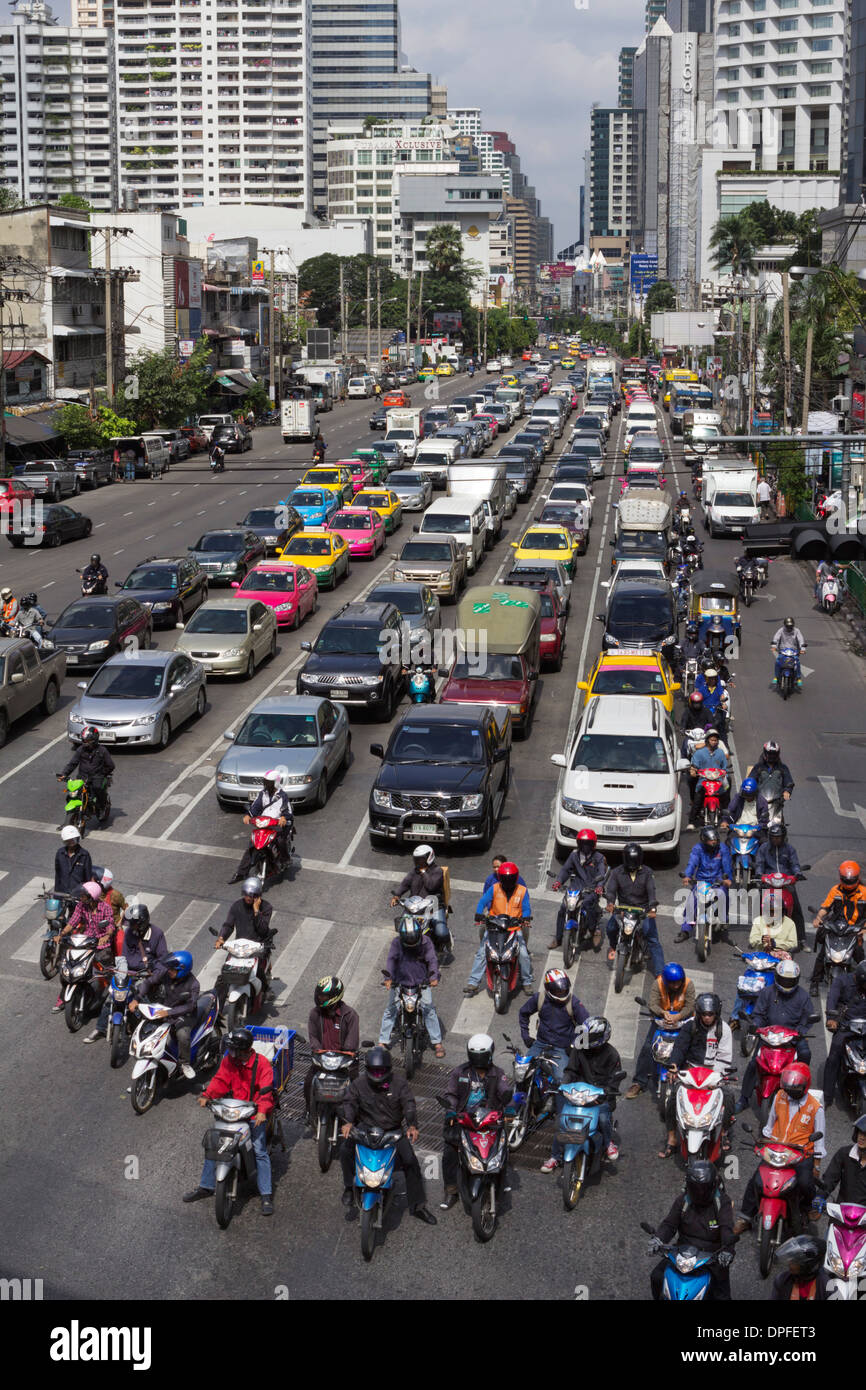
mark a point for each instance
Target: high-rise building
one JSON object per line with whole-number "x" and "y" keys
{"x": 359, "y": 73}
{"x": 214, "y": 106}
{"x": 611, "y": 192}
{"x": 57, "y": 89}
{"x": 466, "y": 120}
{"x": 854, "y": 111}
{"x": 655, "y": 9}
{"x": 439, "y": 101}
{"x": 693, "y": 16}
{"x": 626, "y": 76}
{"x": 98, "y": 14}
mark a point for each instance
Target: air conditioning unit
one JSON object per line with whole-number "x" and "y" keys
{"x": 841, "y": 405}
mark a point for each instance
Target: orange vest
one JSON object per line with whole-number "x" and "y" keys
{"x": 672, "y": 1003}
{"x": 500, "y": 906}
{"x": 794, "y": 1127}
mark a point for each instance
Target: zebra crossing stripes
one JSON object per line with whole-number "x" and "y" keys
{"x": 294, "y": 959}
{"x": 14, "y": 908}
{"x": 195, "y": 916}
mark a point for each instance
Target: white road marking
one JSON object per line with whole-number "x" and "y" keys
{"x": 189, "y": 923}
{"x": 366, "y": 952}
{"x": 61, "y": 738}
{"x": 355, "y": 841}
{"x": 832, "y": 790}
{"x": 15, "y": 907}
{"x": 98, "y": 524}
{"x": 49, "y": 584}
{"x": 293, "y": 961}
{"x": 130, "y": 513}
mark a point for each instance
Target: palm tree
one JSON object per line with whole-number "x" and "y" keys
{"x": 444, "y": 249}
{"x": 733, "y": 242}
{"x": 812, "y": 302}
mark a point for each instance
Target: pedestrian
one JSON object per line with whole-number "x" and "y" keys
{"x": 116, "y": 466}
{"x": 765, "y": 497}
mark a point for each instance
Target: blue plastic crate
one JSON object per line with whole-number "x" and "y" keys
{"x": 283, "y": 1060}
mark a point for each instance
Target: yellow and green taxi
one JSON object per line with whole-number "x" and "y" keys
{"x": 383, "y": 501}
{"x": 548, "y": 543}
{"x": 323, "y": 552}
{"x": 567, "y": 362}
{"x": 426, "y": 373}
{"x": 553, "y": 345}
{"x": 509, "y": 380}
{"x": 444, "y": 369}
{"x": 632, "y": 672}
{"x": 338, "y": 480}
{"x": 375, "y": 460}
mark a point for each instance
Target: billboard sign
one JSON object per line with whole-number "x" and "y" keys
{"x": 181, "y": 284}
{"x": 258, "y": 273}
{"x": 194, "y": 284}
{"x": 447, "y": 321}
{"x": 643, "y": 271}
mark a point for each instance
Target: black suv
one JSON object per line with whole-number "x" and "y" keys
{"x": 640, "y": 613}
{"x": 274, "y": 526}
{"x": 356, "y": 659}
{"x": 171, "y": 589}
{"x": 228, "y": 555}
{"x": 444, "y": 776}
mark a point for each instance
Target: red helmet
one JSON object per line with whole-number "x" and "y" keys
{"x": 796, "y": 1080}
{"x": 587, "y": 838}
{"x": 849, "y": 873}
{"x": 508, "y": 874}
{"x": 773, "y": 884}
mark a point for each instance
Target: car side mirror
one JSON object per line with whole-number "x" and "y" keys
{"x": 558, "y": 759}
{"x": 306, "y": 646}
{"x": 178, "y": 686}
{"x": 257, "y": 627}
{"x": 180, "y": 626}
{"x": 118, "y": 583}
{"x": 16, "y": 678}
{"x": 377, "y": 750}
{"x": 81, "y": 685}
{"x": 229, "y": 735}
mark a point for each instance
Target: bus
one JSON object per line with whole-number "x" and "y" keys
{"x": 633, "y": 373}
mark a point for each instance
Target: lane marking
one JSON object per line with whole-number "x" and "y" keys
{"x": 293, "y": 961}
{"x": 61, "y": 738}
{"x": 21, "y": 902}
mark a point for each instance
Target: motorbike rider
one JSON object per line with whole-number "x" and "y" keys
{"x": 795, "y": 1114}
{"x": 91, "y": 917}
{"x": 560, "y": 1013}
{"x": 716, "y": 640}
{"x": 702, "y": 1216}
{"x": 772, "y": 775}
{"x": 847, "y": 1168}
{"x": 115, "y": 899}
{"x": 846, "y": 899}
{"x": 477, "y": 1081}
{"x": 180, "y": 994}
{"x": 803, "y": 1278}
{"x": 782, "y": 1002}
{"x": 632, "y": 884}
{"x": 412, "y": 960}
{"x": 493, "y": 876}
{"x": 426, "y": 880}
{"x": 243, "y": 1074}
{"x": 95, "y": 766}
{"x": 776, "y": 856}
{"x": 846, "y": 1000}
{"x": 717, "y": 702}
{"x": 787, "y": 638}
{"x": 709, "y": 862}
{"x": 507, "y": 898}
{"x": 376, "y": 1097}
{"x": 216, "y": 455}
{"x": 72, "y": 863}
{"x": 251, "y": 917}
{"x": 333, "y": 1026}
{"x": 825, "y": 569}
{"x": 748, "y": 806}
{"x": 585, "y": 867}
{"x": 595, "y": 1060}
{"x": 319, "y": 450}
{"x": 773, "y": 929}
{"x": 711, "y": 755}
{"x": 9, "y": 606}
{"x": 704, "y": 1041}
{"x": 671, "y": 1000}
{"x": 144, "y": 947}
{"x": 94, "y": 576}
{"x": 694, "y": 549}
{"x": 690, "y": 648}
{"x": 33, "y": 619}
{"x": 273, "y": 803}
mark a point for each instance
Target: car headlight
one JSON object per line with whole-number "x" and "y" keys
{"x": 473, "y": 802}
{"x": 299, "y": 781}
{"x": 160, "y": 607}
{"x": 77, "y": 719}
{"x": 229, "y": 568}
{"x": 381, "y": 799}
{"x": 145, "y": 719}
{"x": 232, "y": 651}
{"x": 371, "y": 680}
{"x": 228, "y": 777}
{"x": 661, "y": 809}
{"x": 282, "y": 607}
{"x": 97, "y": 646}
{"x": 575, "y": 808}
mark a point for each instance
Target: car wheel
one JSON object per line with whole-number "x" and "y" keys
{"x": 4, "y": 727}
{"x": 181, "y": 613}
{"x": 50, "y": 698}
{"x": 88, "y": 527}
{"x": 273, "y": 648}
{"x": 53, "y": 538}
{"x": 76, "y": 487}
{"x": 251, "y": 667}
{"x": 321, "y": 793}
{"x": 56, "y": 494}
{"x": 164, "y": 736}
{"x": 201, "y": 703}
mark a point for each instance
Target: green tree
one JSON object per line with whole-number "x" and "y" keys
{"x": 81, "y": 430}
{"x": 444, "y": 249}
{"x": 660, "y": 297}
{"x": 319, "y": 278}
{"x": 9, "y": 200}
{"x": 161, "y": 391}
{"x": 733, "y": 241}
{"x": 74, "y": 200}
{"x": 790, "y": 463}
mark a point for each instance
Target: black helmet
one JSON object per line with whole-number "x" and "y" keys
{"x": 708, "y": 1004}
{"x": 771, "y": 751}
{"x": 29, "y": 600}
{"x": 479, "y": 1050}
{"x": 709, "y": 837}
{"x": 632, "y": 857}
{"x": 692, "y": 629}
{"x": 138, "y": 917}
{"x": 90, "y": 734}
{"x": 409, "y": 933}
{"x": 96, "y": 560}
{"x": 239, "y": 1043}
{"x": 597, "y": 1031}
{"x": 860, "y": 976}
{"x": 859, "y": 1127}
{"x": 789, "y": 624}
{"x": 378, "y": 1066}
{"x": 328, "y": 992}
{"x": 777, "y": 830}
{"x": 803, "y": 1255}
{"x": 701, "y": 1181}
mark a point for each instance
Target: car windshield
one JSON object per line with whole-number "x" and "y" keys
{"x": 547, "y": 608}
{"x": 91, "y": 615}
{"x": 647, "y": 542}
{"x": 307, "y": 498}
{"x": 733, "y": 499}
{"x": 545, "y": 540}
{"x": 327, "y": 475}
{"x": 270, "y": 581}
{"x": 308, "y": 545}
{"x": 151, "y": 579}
{"x": 431, "y": 456}
{"x": 497, "y": 667}
{"x": 372, "y": 499}
{"x": 348, "y": 521}
{"x": 407, "y": 600}
{"x": 619, "y": 680}
{"x": 640, "y": 613}
{"x": 457, "y": 525}
{"x": 407, "y": 480}
{"x": 436, "y": 743}
{"x": 559, "y": 514}
{"x": 278, "y": 731}
{"x": 219, "y": 540}
{"x": 206, "y": 619}
{"x": 426, "y": 550}
{"x": 264, "y": 516}
{"x": 569, "y": 492}
{"x": 339, "y": 639}
{"x": 129, "y": 680}
{"x": 619, "y": 753}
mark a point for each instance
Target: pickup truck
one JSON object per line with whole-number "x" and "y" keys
{"x": 93, "y": 466}
{"x": 438, "y": 562}
{"x": 52, "y": 478}
{"x": 28, "y": 679}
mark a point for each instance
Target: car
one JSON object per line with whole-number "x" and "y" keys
{"x": 621, "y": 778}
{"x": 444, "y": 369}
{"x": 553, "y": 621}
{"x": 650, "y": 545}
{"x": 362, "y": 473}
{"x": 291, "y": 591}
{"x": 314, "y": 505}
{"x": 547, "y": 543}
{"x": 519, "y": 472}
{"x": 307, "y": 737}
{"x": 196, "y": 438}
{"x": 17, "y": 507}
{"x": 441, "y": 563}
{"x": 379, "y": 418}
{"x": 406, "y": 441}
{"x": 640, "y": 613}
{"x": 385, "y": 502}
{"x": 361, "y": 528}
{"x": 93, "y": 466}
{"x": 567, "y": 363}
{"x": 141, "y": 702}
{"x": 91, "y": 630}
{"x": 535, "y": 574}
{"x": 274, "y": 526}
{"x": 493, "y": 365}
{"x": 444, "y": 776}
{"x": 177, "y": 442}
{"x": 493, "y": 425}
{"x": 529, "y": 447}
{"x": 30, "y": 679}
{"x": 417, "y": 604}
{"x": 573, "y": 468}
{"x": 588, "y": 423}
{"x": 575, "y": 491}
{"x": 415, "y": 490}
{"x": 322, "y": 551}
{"x": 357, "y": 659}
{"x": 426, "y": 373}
{"x": 52, "y": 526}
{"x": 169, "y": 588}
{"x": 566, "y": 514}
{"x": 227, "y": 555}
{"x": 335, "y": 479}
{"x": 235, "y": 439}
{"x": 230, "y": 636}
{"x": 392, "y": 453}
{"x": 544, "y": 429}
{"x": 375, "y": 461}
{"x": 632, "y": 671}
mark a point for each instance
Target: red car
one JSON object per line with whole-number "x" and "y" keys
{"x": 198, "y": 440}
{"x": 14, "y": 492}
{"x": 552, "y": 629}
{"x": 490, "y": 420}
{"x": 292, "y": 591}
{"x": 362, "y": 529}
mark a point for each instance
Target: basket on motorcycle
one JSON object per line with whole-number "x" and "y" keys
{"x": 234, "y": 975}
{"x": 330, "y": 1088}
{"x": 277, "y": 1045}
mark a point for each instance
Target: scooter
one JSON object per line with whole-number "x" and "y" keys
{"x": 662, "y": 1045}
{"x": 422, "y": 685}
{"x": 845, "y": 1257}
{"x": 687, "y": 1277}
{"x": 330, "y": 1084}
{"x": 746, "y": 576}
{"x": 840, "y": 943}
{"x": 217, "y": 461}
{"x": 690, "y": 675}
{"x": 375, "y": 1152}
{"x": 631, "y": 948}
{"x": 229, "y": 1144}
{"x": 700, "y": 1112}
{"x": 239, "y": 987}
{"x": 778, "y": 1170}
{"x": 580, "y": 1135}
{"x": 534, "y": 1099}
{"x": 788, "y": 672}
{"x": 744, "y": 840}
{"x": 120, "y": 1020}
{"x": 84, "y": 980}
{"x": 711, "y": 781}
{"x": 830, "y": 596}
{"x": 758, "y": 965}
{"x": 482, "y": 1164}
{"x": 702, "y": 914}
{"x": 58, "y": 906}
{"x": 581, "y": 921}
{"x": 155, "y": 1048}
{"x": 503, "y": 964}
{"x": 852, "y": 1072}
{"x": 423, "y": 912}
{"x": 775, "y": 1050}
{"x": 410, "y": 1031}
{"x": 91, "y": 588}
{"x": 267, "y": 863}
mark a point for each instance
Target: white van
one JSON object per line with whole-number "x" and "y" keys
{"x": 464, "y": 519}
{"x": 553, "y": 411}
{"x": 486, "y": 481}
{"x": 641, "y": 412}
{"x": 208, "y": 423}
{"x": 434, "y": 456}
{"x": 360, "y": 386}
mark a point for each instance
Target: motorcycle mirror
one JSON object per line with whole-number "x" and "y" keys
{"x": 619, "y": 1076}
{"x": 440, "y": 1100}
{"x": 645, "y": 1226}
{"x": 810, "y": 908}
{"x": 818, "y": 1134}
{"x": 814, "y": 1018}
{"x": 377, "y": 750}
{"x": 368, "y": 1043}
{"x": 214, "y": 931}
{"x": 805, "y": 869}
{"x": 638, "y": 999}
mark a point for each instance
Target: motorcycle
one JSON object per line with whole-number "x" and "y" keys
{"x": 580, "y": 1135}
{"x": 775, "y": 1050}
{"x": 830, "y": 596}
{"x": 770, "y": 787}
{"x": 687, "y": 1277}
{"x": 410, "y": 1031}
{"x": 421, "y": 684}
{"x": 92, "y": 587}
{"x": 711, "y": 781}
{"x": 778, "y": 1215}
{"x": 581, "y": 919}
{"x": 239, "y": 987}
{"x": 852, "y": 1073}
{"x": 789, "y": 672}
{"x": 84, "y": 980}
{"x": 746, "y": 576}
{"x": 483, "y": 1156}
{"x": 217, "y": 461}
{"x": 758, "y": 965}
{"x": 662, "y": 1045}
{"x": 534, "y": 1099}
{"x": 58, "y": 906}
{"x": 330, "y": 1084}
{"x": 121, "y": 1020}
{"x": 840, "y": 943}
{"x": 423, "y": 911}
{"x": 683, "y": 519}
{"x": 229, "y": 1143}
{"x": 375, "y": 1152}
{"x": 762, "y": 571}
{"x": 503, "y": 964}
{"x": 266, "y": 862}
{"x": 702, "y": 913}
{"x": 682, "y": 590}
{"x": 631, "y": 949}
{"x": 744, "y": 840}
{"x": 80, "y": 803}
{"x": 845, "y": 1256}
{"x": 700, "y": 1112}
{"x": 155, "y": 1048}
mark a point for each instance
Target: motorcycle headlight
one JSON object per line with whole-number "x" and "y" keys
{"x": 473, "y": 803}
{"x": 473, "y": 1164}
{"x": 628, "y": 926}
{"x": 833, "y": 1263}
{"x": 76, "y": 971}
{"x": 97, "y": 646}
{"x": 521, "y": 1070}
{"x": 410, "y": 1003}
{"x": 381, "y": 799}
{"x": 857, "y": 1063}
{"x": 686, "y": 1263}
{"x": 574, "y": 808}
{"x": 662, "y": 809}
{"x": 373, "y": 1177}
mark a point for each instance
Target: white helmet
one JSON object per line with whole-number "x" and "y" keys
{"x": 70, "y": 832}
{"x": 107, "y": 878}
{"x": 422, "y": 852}
{"x": 479, "y": 1050}
{"x": 276, "y": 777}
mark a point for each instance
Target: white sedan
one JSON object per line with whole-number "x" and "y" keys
{"x": 494, "y": 365}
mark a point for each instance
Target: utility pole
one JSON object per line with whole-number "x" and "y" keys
{"x": 807, "y": 378}
{"x": 484, "y": 348}
{"x": 273, "y": 337}
{"x": 368, "y": 318}
{"x": 408, "y": 309}
{"x": 420, "y": 305}
{"x": 343, "y": 338}
{"x": 378, "y": 316}
{"x": 109, "y": 322}
{"x": 786, "y": 341}
{"x": 5, "y": 295}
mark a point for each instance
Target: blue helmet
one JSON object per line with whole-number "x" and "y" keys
{"x": 749, "y": 787}
{"x": 181, "y": 961}
{"x": 673, "y": 974}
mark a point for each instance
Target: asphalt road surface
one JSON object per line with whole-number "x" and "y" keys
{"x": 91, "y": 1192}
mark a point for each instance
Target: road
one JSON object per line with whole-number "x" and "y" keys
{"x": 113, "y": 1181}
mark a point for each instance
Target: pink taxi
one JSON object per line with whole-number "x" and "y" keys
{"x": 362, "y": 529}
{"x": 292, "y": 591}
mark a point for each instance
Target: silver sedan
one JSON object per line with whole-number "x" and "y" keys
{"x": 140, "y": 697}
{"x": 306, "y": 737}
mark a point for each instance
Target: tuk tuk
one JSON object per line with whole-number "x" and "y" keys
{"x": 714, "y": 595}
{"x": 376, "y": 462}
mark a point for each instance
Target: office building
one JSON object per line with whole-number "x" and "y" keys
{"x": 655, "y": 10}
{"x": 626, "y": 77}
{"x": 611, "y": 196}
{"x": 97, "y": 14}
{"x": 694, "y": 16}
{"x": 425, "y": 200}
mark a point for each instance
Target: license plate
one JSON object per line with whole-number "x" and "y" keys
{"x": 107, "y": 735}
{"x": 72, "y": 661}
{"x": 619, "y": 828}
{"x": 424, "y": 828}
{"x": 339, "y": 694}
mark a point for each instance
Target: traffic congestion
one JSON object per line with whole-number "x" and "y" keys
{"x": 452, "y": 806}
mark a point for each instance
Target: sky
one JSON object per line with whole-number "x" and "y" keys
{"x": 533, "y": 66}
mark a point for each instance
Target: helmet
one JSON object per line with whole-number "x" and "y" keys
{"x": 597, "y": 1031}
{"x": 849, "y": 873}
{"x": 859, "y": 1127}
{"x": 479, "y": 1050}
{"x": 787, "y": 973}
{"x": 696, "y": 701}
{"x": 708, "y": 1004}
{"x": 632, "y": 857}
{"x": 378, "y": 1066}
{"x": 776, "y": 895}
{"x": 70, "y": 833}
{"x": 105, "y": 877}
{"x": 181, "y": 961}
{"x": 508, "y": 875}
{"x": 275, "y": 778}
{"x": 557, "y": 986}
{"x": 803, "y": 1255}
{"x": 92, "y": 890}
{"x": 701, "y": 1181}
{"x": 587, "y": 840}
{"x": 771, "y": 751}
{"x": 709, "y": 837}
{"x": 409, "y": 933}
{"x": 138, "y": 915}
{"x": 29, "y": 600}
{"x": 860, "y": 976}
{"x": 95, "y": 560}
{"x": 711, "y": 674}
{"x": 251, "y": 887}
{"x": 777, "y": 830}
{"x": 328, "y": 992}
{"x": 692, "y": 630}
{"x": 749, "y": 787}
{"x": 796, "y": 1080}
{"x": 424, "y": 852}
{"x": 90, "y": 734}
{"x": 673, "y": 974}
{"x": 239, "y": 1043}
{"x": 789, "y": 624}
{"x": 6, "y": 594}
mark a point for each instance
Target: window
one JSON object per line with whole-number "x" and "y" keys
{"x": 759, "y": 5}
{"x": 758, "y": 71}
{"x": 787, "y": 26}
{"x": 820, "y": 67}
{"x": 733, "y": 7}
{"x": 733, "y": 51}
{"x": 732, "y": 75}
{"x": 734, "y": 31}
{"x": 787, "y": 46}
{"x": 786, "y": 93}
{"x": 820, "y": 89}
{"x": 732, "y": 95}
{"x": 823, "y": 21}
{"x": 758, "y": 49}
{"x": 757, "y": 94}
{"x": 786, "y": 70}
{"x": 759, "y": 26}
{"x": 788, "y": 4}
{"x": 821, "y": 45}
{"x": 365, "y": 156}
